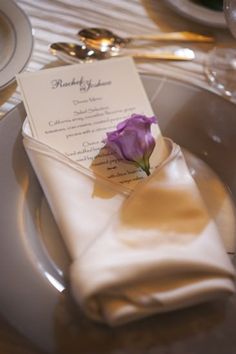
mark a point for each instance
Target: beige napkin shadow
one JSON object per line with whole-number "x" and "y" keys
{"x": 156, "y": 250}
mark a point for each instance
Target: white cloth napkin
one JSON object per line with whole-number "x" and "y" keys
{"x": 134, "y": 255}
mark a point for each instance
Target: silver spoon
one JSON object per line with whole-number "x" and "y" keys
{"x": 103, "y": 39}
{"x": 72, "y": 53}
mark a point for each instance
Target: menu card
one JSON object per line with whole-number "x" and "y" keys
{"x": 71, "y": 108}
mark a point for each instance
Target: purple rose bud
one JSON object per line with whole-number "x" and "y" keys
{"x": 133, "y": 141}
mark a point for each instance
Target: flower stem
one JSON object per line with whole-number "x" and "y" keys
{"x": 146, "y": 170}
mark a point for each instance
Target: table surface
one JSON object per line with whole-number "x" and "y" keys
{"x": 60, "y": 20}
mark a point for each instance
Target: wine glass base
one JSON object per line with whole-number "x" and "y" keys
{"x": 220, "y": 70}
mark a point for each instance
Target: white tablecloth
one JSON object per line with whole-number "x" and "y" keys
{"x": 60, "y": 20}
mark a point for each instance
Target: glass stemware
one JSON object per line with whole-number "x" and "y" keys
{"x": 220, "y": 65}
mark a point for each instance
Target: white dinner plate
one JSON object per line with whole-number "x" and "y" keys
{"x": 16, "y": 41}
{"x": 198, "y": 13}
{"x": 35, "y": 294}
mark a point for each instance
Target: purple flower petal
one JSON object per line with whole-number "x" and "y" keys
{"x": 133, "y": 141}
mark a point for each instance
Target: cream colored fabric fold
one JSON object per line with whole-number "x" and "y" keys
{"x": 152, "y": 251}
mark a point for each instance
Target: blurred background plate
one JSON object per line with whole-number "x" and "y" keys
{"x": 198, "y": 13}
{"x": 16, "y": 41}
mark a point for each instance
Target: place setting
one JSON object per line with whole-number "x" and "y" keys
{"x": 118, "y": 200}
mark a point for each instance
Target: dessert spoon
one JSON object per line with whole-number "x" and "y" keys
{"x": 103, "y": 39}
{"x": 72, "y": 52}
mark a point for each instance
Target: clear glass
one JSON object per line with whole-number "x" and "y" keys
{"x": 220, "y": 65}
{"x": 230, "y": 15}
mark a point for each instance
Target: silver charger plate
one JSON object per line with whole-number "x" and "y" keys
{"x": 198, "y": 13}
{"x": 35, "y": 293}
{"x": 16, "y": 41}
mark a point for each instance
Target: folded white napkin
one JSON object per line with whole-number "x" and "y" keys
{"x": 154, "y": 250}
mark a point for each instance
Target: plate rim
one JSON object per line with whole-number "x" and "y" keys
{"x": 17, "y": 62}
{"x": 180, "y": 7}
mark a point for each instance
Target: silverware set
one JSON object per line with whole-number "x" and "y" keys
{"x": 100, "y": 43}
